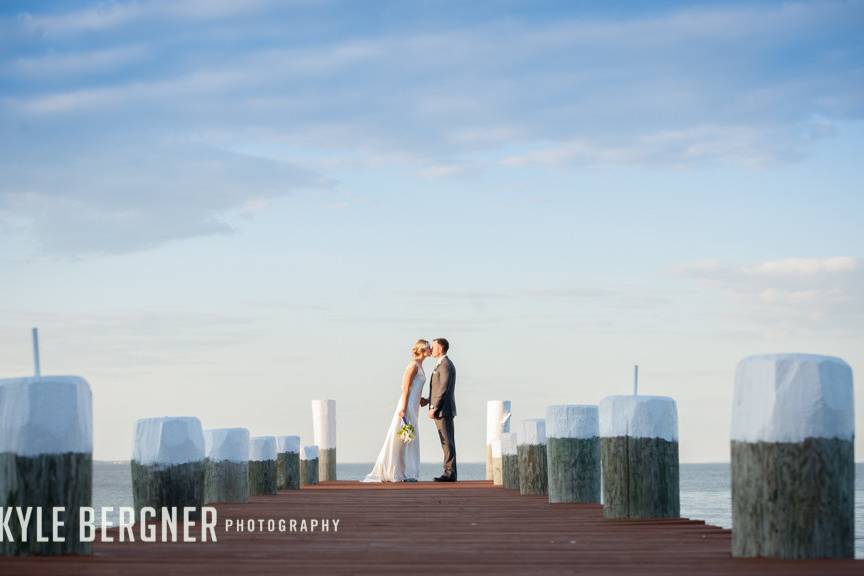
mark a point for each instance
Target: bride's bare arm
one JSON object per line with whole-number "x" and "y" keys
{"x": 410, "y": 371}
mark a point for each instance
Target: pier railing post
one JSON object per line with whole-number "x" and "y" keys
{"x": 533, "y": 478}
{"x": 509, "y": 461}
{"x": 226, "y": 468}
{"x": 309, "y": 465}
{"x": 288, "y": 463}
{"x": 46, "y": 459}
{"x": 324, "y": 429}
{"x": 573, "y": 453}
{"x": 168, "y": 464}
{"x": 639, "y": 454}
{"x": 793, "y": 468}
{"x": 497, "y": 423}
{"x": 262, "y": 465}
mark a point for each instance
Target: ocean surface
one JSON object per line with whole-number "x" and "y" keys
{"x": 705, "y": 489}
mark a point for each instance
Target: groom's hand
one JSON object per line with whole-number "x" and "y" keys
{"x": 432, "y": 414}
{"x": 423, "y": 401}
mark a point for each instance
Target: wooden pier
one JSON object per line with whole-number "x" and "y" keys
{"x": 460, "y": 528}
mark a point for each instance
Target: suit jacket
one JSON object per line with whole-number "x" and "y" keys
{"x": 442, "y": 389}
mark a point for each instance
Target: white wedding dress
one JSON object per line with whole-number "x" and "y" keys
{"x": 398, "y": 461}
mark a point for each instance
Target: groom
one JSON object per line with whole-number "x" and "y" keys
{"x": 442, "y": 405}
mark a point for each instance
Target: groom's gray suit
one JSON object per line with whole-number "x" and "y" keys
{"x": 442, "y": 403}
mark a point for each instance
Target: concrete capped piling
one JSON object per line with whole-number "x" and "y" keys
{"x": 262, "y": 465}
{"x": 573, "y": 453}
{"x": 46, "y": 459}
{"x": 531, "y": 448}
{"x": 324, "y": 429}
{"x": 168, "y": 463}
{"x": 509, "y": 461}
{"x": 497, "y": 423}
{"x": 226, "y": 468}
{"x": 309, "y": 465}
{"x": 639, "y": 455}
{"x": 793, "y": 469}
{"x": 288, "y": 462}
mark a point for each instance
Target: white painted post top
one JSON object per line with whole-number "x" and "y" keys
{"x": 572, "y": 421}
{"x": 533, "y": 432}
{"x": 639, "y": 417}
{"x": 289, "y": 444}
{"x": 324, "y": 423}
{"x": 46, "y": 415}
{"x": 497, "y": 419}
{"x": 509, "y": 442}
{"x": 309, "y": 453}
{"x": 262, "y": 448}
{"x": 791, "y": 397}
{"x": 231, "y": 444}
{"x": 168, "y": 440}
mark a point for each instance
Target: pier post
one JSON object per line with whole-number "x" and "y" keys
{"x": 46, "y": 459}
{"x": 533, "y": 476}
{"x": 573, "y": 453}
{"x": 497, "y": 423}
{"x": 793, "y": 469}
{"x": 639, "y": 454}
{"x": 168, "y": 463}
{"x": 324, "y": 428}
{"x": 226, "y": 468}
{"x": 288, "y": 462}
{"x": 497, "y": 464}
{"x": 309, "y": 466}
{"x": 262, "y": 465}
{"x": 509, "y": 461}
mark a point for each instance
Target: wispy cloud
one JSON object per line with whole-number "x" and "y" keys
{"x": 674, "y": 86}
{"x": 70, "y": 63}
{"x": 114, "y": 14}
{"x": 131, "y": 199}
{"x": 792, "y": 294}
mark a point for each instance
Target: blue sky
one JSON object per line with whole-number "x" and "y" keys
{"x": 227, "y": 209}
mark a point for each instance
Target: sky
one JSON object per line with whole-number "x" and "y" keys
{"x": 228, "y": 209}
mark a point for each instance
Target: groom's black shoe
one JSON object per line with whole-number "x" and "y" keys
{"x": 443, "y": 478}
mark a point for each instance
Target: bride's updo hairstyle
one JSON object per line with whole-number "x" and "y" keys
{"x": 419, "y": 348}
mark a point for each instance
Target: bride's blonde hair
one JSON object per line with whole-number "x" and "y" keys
{"x": 419, "y": 348}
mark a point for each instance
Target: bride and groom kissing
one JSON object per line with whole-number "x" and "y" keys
{"x": 398, "y": 460}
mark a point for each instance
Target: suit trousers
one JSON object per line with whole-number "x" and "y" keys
{"x": 448, "y": 444}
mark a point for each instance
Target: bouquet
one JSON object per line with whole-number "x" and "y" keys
{"x": 407, "y": 433}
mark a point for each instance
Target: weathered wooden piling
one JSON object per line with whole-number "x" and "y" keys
{"x": 324, "y": 428}
{"x": 46, "y": 460}
{"x": 226, "y": 468}
{"x": 533, "y": 475}
{"x": 309, "y": 465}
{"x": 497, "y": 422}
{"x": 793, "y": 469}
{"x": 509, "y": 461}
{"x": 497, "y": 470}
{"x": 639, "y": 455}
{"x": 168, "y": 463}
{"x": 288, "y": 462}
{"x": 262, "y": 465}
{"x": 573, "y": 453}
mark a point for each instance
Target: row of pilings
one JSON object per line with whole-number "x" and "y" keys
{"x": 46, "y": 461}
{"x": 792, "y": 456}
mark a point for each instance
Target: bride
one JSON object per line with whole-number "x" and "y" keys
{"x": 397, "y": 461}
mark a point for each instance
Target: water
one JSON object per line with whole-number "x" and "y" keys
{"x": 705, "y": 489}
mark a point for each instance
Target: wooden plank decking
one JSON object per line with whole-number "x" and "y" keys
{"x": 461, "y": 528}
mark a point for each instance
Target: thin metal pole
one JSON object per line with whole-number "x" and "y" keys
{"x": 36, "y": 362}
{"x": 636, "y": 380}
